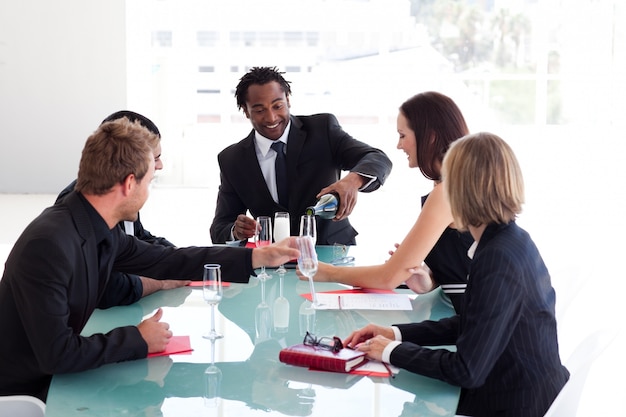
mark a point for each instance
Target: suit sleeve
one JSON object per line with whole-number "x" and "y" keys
{"x": 356, "y": 156}
{"x": 121, "y": 290}
{"x": 490, "y": 316}
{"x": 160, "y": 262}
{"x": 47, "y": 275}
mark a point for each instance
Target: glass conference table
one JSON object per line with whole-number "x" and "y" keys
{"x": 246, "y": 378}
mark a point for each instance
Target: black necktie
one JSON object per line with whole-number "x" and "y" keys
{"x": 281, "y": 172}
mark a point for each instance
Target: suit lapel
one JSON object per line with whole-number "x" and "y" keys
{"x": 88, "y": 244}
{"x": 295, "y": 145}
{"x": 255, "y": 177}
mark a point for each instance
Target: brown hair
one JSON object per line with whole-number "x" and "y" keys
{"x": 115, "y": 150}
{"x": 436, "y": 121}
{"x": 483, "y": 181}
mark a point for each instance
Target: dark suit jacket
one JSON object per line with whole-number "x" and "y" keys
{"x": 507, "y": 360}
{"x": 317, "y": 151}
{"x": 128, "y": 290}
{"x": 51, "y": 285}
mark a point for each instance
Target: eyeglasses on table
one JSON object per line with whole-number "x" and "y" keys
{"x": 333, "y": 344}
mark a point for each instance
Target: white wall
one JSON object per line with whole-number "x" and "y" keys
{"x": 62, "y": 70}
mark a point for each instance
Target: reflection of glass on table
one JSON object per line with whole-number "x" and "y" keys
{"x": 262, "y": 318}
{"x": 281, "y": 309}
{"x": 252, "y": 381}
{"x": 212, "y": 380}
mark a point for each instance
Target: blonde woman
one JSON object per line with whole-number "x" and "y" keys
{"x": 507, "y": 358}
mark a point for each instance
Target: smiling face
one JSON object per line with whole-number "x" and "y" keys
{"x": 267, "y": 107}
{"x": 406, "y": 141}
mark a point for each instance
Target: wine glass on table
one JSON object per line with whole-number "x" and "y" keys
{"x": 263, "y": 237}
{"x": 307, "y": 262}
{"x": 212, "y": 293}
{"x": 281, "y": 231}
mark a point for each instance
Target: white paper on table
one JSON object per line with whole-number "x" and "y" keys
{"x": 363, "y": 301}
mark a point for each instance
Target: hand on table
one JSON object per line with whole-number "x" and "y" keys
{"x": 157, "y": 334}
{"x": 151, "y": 285}
{"x": 371, "y": 339}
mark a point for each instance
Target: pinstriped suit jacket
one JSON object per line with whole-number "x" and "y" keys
{"x": 507, "y": 359}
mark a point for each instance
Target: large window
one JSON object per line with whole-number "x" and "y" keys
{"x": 548, "y": 76}
{"x": 507, "y": 63}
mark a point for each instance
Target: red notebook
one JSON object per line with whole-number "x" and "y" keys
{"x": 304, "y": 355}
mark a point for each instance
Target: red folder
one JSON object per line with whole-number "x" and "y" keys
{"x": 177, "y": 344}
{"x": 313, "y": 357}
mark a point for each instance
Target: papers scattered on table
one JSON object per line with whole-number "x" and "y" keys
{"x": 362, "y": 300}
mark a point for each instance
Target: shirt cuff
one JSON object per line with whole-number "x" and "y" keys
{"x": 388, "y": 349}
{"x": 371, "y": 180}
{"x": 397, "y": 335}
{"x": 391, "y": 346}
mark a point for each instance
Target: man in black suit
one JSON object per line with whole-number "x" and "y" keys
{"x": 60, "y": 267}
{"x": 134, "y": 286}
{"x": 316, "y": 150}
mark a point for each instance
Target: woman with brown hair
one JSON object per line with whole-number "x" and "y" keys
{"x": 434, "y": 252}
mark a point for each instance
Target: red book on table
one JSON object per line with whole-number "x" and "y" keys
{"x": 313, "y": 357}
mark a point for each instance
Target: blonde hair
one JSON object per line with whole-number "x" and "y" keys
{"x": 115, "y": 150}
{"x": 483, "y": 181}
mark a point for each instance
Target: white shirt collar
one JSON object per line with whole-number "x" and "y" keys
{"x": 472, "y": 250}
{"x": 263, "y": 144}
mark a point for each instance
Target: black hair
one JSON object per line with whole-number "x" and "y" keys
{"x": 259, "y": 75}
{"x": 133, "y": 117}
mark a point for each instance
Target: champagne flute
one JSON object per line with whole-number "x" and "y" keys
{"x": 212, "y": 293}
{"x": 281, "y": 231}
{"x": 263, "y": 237}
{"x": 307, "y": 262}
{"x": 307, "y": 227}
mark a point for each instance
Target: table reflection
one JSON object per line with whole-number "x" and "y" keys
{"x": 241, "y": 374}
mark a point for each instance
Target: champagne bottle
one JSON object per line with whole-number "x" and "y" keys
{"x": 326, "y": 207}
